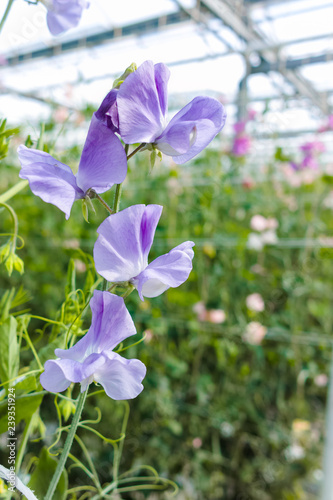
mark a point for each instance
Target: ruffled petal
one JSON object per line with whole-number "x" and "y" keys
{"x": 64, "y": 15}
{"x": 192, "y": 128}
{"x": 120, "y": 377}
{"x": 108, "y": 111}
{"x": 111, "y": 324}
{"x": 51, "y": 180}
{"x": 124, "y": 240}
{"x": 60, "y": 373}
{"x": 142, "y": 103}
{"x": 103, "y": 160}
{"x": 169, "y": 270}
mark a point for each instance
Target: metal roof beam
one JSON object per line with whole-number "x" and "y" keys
{"x": 223, "y": 10}
{"x": 136, "y": 29}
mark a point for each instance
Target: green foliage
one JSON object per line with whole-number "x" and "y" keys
{"x": 5, "y": 134}
{"x": 218, "y": 414}
{"x": 42, "y": 475}
{"x": 10, "y": 354}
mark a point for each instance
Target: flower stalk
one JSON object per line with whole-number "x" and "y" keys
{"x": 68, "y": 444}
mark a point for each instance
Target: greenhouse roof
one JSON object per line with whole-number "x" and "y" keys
{"x": 247, "y": 52}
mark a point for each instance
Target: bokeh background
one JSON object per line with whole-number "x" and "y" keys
{"x": 239, "y": 357}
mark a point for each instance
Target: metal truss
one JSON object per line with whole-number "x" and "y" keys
{"x": 233, "y": 15}
{"x": 271, "y": 60}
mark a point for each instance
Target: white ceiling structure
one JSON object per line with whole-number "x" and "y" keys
{"x": 272, "y": 55}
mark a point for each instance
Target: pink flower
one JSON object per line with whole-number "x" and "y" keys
{"x": 271, "y": 223}
{"x": 216, "y": 316}
{"x": 239, "y": 127}
{"x": 241, "y": 145}
{"x": 321, "y": 380}
{"x": 200, "y": 310}
{"x": 254, "y": 333}
{"x": 197, "y": 442}
{"x": 255, "y": 302}
{"x": 258, "y": 223}
{"x": 313, "y": 147}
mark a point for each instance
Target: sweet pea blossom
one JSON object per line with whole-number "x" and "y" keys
{"x": 255, "y": 302}
{"x": 138, "y": 111}
{"x": 103, "y": 163}
{"x": 92, "y": 358}
{"x": 241, "y": 145}
{"x": 254, "y": 333}
{"x": 122, "y": 248}
{"x": 63, "y": 14}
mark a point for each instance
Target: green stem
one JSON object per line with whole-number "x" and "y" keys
{"x": 15, "y": 222}
{"x": 4, "y": 17}
{"x": 117, "y": 457}
{"x": 128, "y": 291}
{"x": 117, "y": 198}
{"x": 26, "y": 433}
{"x": 68, "y": 444}
{"x": 105, "y": 205}
{"x": 13, "y": 191}
{"x": 136, "y": 150}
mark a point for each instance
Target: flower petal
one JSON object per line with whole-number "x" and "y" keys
{"x": 120, "y": 377}
{"x": 64, "y": 15}
{"x": 169, "y": 270}
{"x": 51, "y": 180}
{"x": 108, "y": 111}
{"x": 142, "y": 103}
{"x": 192, "y": 128}
{"x": 122, "y": 247}
{"x": 60, "y": 373}
{"x": 103, "y": 160}
{"x": 111, "y": 324}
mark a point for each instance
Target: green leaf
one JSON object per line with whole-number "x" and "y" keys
{"x": 71, "y": 278}
{"x": 328, "y": 179}
{"x": 25, "y": 407}
{"x": 42, "y": 475}
{"x": 10, "y": 355}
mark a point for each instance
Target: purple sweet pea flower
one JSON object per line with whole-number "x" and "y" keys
{"x": 63, "y": 14}
{"x": 92, "y": 358}
{"x": 140, "y": 108}
{"x": 103, "y": 163}
{"x": 313, "y": 147}
{"x": 241, "y": 145}
{"x": 122, "y": 248}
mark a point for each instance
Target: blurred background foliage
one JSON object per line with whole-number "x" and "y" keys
{"x": 235, "y": 392}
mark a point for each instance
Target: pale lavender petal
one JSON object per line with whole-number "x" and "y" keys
{"x": 169, "y": 270}
{"x": 149, "y": 221}
{"x": 185, "y": 247}
{"x": 51, "y": 180}
{"x": 103, "y": 160}
{"x": 53, "y": 378}
{"x": 120, "y": 377}
{"x": 142, "y": 103}
{"x": 124, "y": 240}
{"x": 162, "y": 75}
{"x": 111, "y": 324}
{"x": 192, "y": 128}
{"x": 60, "y": 373}
{"x": 108, "y": 111}
{"x": 64, "y": 14}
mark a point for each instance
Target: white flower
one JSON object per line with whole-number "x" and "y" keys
{"x": 254, "y": 242}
